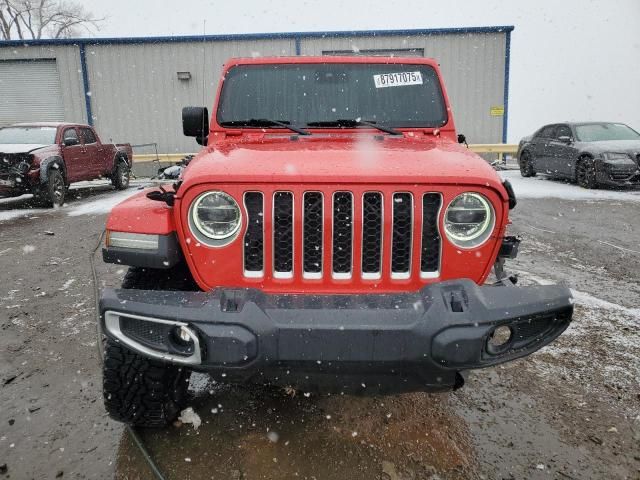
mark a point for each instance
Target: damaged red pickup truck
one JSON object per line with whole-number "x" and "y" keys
{"x": 45, "y": 158}
{"x": 332, "y": 236}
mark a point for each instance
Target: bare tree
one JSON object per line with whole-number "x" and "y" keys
{"x": 34, "y": 19}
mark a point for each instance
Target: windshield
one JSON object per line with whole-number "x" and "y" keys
{"x": 396, "y": 95}
{"x": 596, "y": 132}
{"x": 28, "y": 135}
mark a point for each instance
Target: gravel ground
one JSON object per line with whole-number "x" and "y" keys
{"x": 570, "y": 411}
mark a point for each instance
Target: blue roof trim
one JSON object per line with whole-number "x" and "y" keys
{"x": 85, "y": 83}
{"x": 258, "y": 36}
{"x": 507, "y": 66}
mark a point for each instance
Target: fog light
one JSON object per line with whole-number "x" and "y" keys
{"x": 499, "y": 339}
{"x": 183, "y": 335}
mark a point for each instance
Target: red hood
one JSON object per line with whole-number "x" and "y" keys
{"x": 341, "y": 159}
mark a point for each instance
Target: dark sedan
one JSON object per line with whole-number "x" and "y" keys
{"x": 591, "y": 154}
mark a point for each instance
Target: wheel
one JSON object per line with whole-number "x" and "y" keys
{"x": 586, "y": 173}
{"x": 53, "y": 192}
{"x": 137, "y": 390}
{"x": 120, "y": 178}
{"x": 526, "y": 165}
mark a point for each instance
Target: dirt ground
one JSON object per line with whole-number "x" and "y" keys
{"x": 570, "y": 411}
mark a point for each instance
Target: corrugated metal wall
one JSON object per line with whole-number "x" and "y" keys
{"x": 136, "y": 95}
{"x": 472, "y": 66}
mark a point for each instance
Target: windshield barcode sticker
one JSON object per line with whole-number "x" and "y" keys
{"x": 397, "y": 79}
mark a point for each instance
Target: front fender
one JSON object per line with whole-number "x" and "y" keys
{"x": 138, "y": 214}
{"x": 47, "y": 164}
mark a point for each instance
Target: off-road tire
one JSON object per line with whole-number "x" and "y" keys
{"x": 142, "y": 392}
{"x": 121, "y": 175}
{"x": 586, "y": 173}
{"x": 526, "y": 167}
{"x": 137, "y": 390}
{"x": 53, "y": 192}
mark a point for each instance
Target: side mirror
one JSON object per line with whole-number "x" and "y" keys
{"x": 195, "y": 122}
{"x": 565, "y": 139}
{"x": 462, "y": 138}
{"x": 70, "y": 142}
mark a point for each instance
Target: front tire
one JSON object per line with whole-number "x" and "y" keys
{"x": 586, "y": 173}
{"x": 526, "y": 165}
{"x": 53, "y": 192}
{"x": 138, "y": 390}
{"x": 121, "y": 176}
{"x": 142, "y": 392}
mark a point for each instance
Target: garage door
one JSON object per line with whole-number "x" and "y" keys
{"x": 30, "y": 92}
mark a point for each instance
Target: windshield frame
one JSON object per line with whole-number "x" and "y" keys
{"x": 446, "y": 124}
{"x": 577, "y": 125}
{"x": 31, "y": 127}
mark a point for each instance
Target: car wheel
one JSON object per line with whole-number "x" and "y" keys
{"x": 526, "y": 165}
{"x": 142, "y": 392}
{"x": 53, "y": 192}
{"x": 121, "y": 176}
{"x": 137, "y": 390}
{"x": 586, "y": 173}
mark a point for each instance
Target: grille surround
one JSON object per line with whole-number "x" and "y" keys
{"x": 222, "y": 267}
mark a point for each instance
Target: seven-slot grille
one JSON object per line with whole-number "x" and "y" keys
{"x": 341, "y": 213}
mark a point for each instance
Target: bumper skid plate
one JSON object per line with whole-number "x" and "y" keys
{"x": 389, "y": 343}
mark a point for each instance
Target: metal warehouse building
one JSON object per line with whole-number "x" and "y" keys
{"x": 133, "y": 89}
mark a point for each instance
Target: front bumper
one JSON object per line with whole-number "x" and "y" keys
{"x": 381, "y": 343}
{"x": 618, "y": 176}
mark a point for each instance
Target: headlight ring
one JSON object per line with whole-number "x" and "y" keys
{"x": 215, "y": 218}
{"x": 469, "y": 220}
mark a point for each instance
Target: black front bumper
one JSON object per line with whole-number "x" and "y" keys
{"x": 381, "y": 343}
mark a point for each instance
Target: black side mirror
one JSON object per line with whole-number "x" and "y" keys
{"x": 70, "y": 142}
{"x": 565, "y": 139}
{"x": 462, "y": 138}
{"x": 195, "y": 123}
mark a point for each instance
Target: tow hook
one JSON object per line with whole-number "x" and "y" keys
{"x": 508, "y": 249}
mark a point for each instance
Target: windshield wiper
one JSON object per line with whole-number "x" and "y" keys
{"x": 354, "y": 122}
{"x": 264, "y": 122}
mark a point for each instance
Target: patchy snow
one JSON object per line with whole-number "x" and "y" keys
{"x": 600, "y": 348}
{"x": 543, "y": 187}
{"x": 100, "y": 205}
{"x": 189, "y": 416}
{"x": 67, "y": 284}
{"x": 22, "y": 212}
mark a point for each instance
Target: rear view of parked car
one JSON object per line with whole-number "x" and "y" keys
{"x": 591, "y": 154}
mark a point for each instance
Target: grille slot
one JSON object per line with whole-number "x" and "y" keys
{"x": 402, "y": 235}
{"x": 283, "y": 234}
{"x": 254, "y": 236}
{"x": 342, "y": 234}
{"x": 372, "y": 235}
{"x": 430, "y": 254}
{"x": 312, "y": 235}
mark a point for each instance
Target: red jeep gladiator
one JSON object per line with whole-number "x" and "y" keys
{"x": 332, "y": 236}
{"x": 45, "y": 158}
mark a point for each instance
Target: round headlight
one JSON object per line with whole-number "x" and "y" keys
{"x": 216, "y": 215}
{"x": 469, "y": 220}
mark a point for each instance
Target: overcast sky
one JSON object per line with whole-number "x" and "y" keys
{"x": 570, "y": 59}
